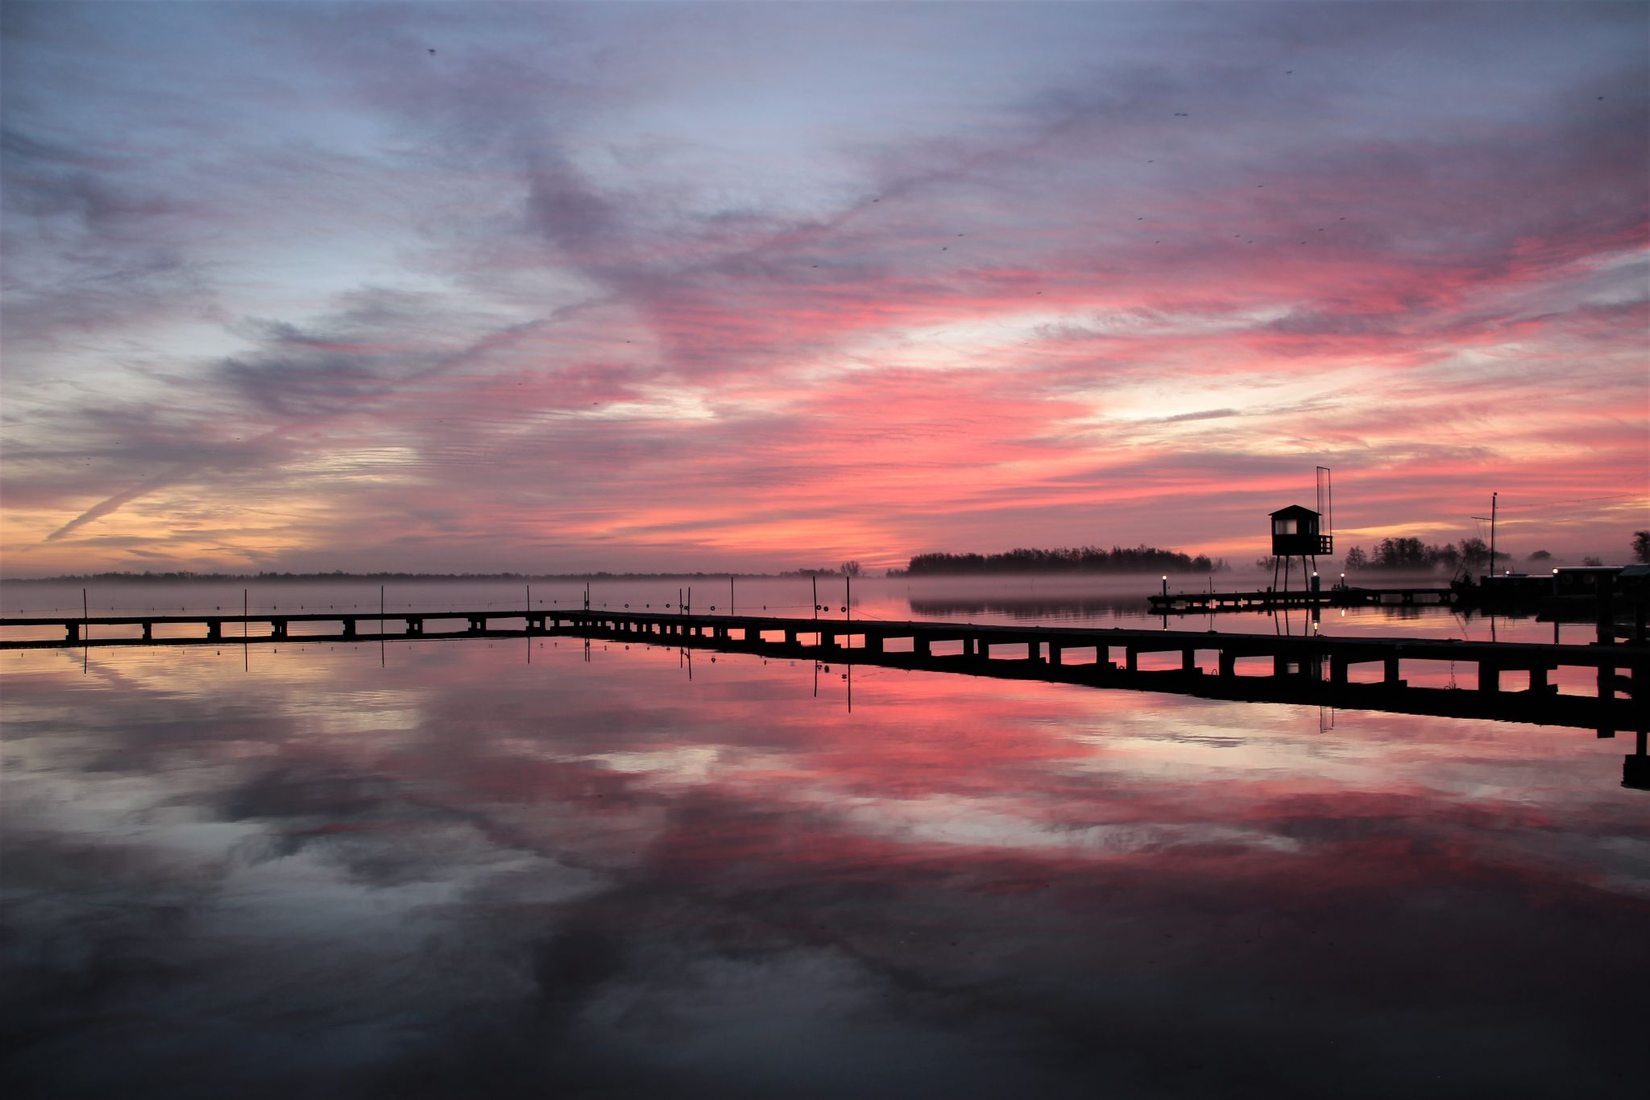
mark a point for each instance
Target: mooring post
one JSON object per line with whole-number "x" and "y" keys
{"x": 1606, "y": 610}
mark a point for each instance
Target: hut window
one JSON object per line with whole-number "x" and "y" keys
{"x": 1285, "y": 527}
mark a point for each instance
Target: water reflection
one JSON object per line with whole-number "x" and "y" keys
{"x": 465, "y": 874}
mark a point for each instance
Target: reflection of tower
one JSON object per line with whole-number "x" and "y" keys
{"x": 1295, "y": 534}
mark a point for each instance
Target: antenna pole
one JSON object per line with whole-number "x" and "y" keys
{"x": 1493, "y": 497}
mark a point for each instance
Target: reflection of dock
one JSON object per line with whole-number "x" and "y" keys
{"x": 1500, "y": 680}
{"x": 1200, "y": 603}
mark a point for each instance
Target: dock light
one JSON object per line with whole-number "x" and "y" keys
{"x": 1555, "y": 571}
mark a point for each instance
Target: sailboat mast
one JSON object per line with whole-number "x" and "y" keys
{"x": 1493, "y": 497}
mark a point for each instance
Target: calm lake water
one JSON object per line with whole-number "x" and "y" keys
{"x": 535, "y": 868}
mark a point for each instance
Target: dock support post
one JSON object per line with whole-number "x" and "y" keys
{"x": 1391, "y": 678}
{"x": 1228, "y": 663}
{"x": 214, "y": 628}
{"x": 1489, "y": 677}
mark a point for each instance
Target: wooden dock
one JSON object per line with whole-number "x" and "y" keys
{"x": 1500, "y": 680}
{"x": 1204, "y": 603}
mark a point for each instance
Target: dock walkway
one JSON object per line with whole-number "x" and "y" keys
{"x": 1202, "y": 603}
{"x": 1501, "y": 680}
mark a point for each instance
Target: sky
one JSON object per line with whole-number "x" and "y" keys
{"x": 685, "y": 286}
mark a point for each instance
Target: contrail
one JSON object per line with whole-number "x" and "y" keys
{"x": 103, "y": 508}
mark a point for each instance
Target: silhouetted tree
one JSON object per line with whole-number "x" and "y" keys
{"x": 1475, "y": 552}
{"x": 1086, "y": 559}
{"x": 850, "y": 569}
{"x": 1356, "y": 559}
{"x": 1540, "y": 555}
{"x": 1641, "y": 546}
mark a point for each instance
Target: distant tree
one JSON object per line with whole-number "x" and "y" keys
{"x": 1641, "y": 546}
{"x": 1592, "y": 561}
{"x": 1541, "y": 555}
{"x": 1356, "y": 559}
{"x": 1475, "y": 553}
{"x": 1083, "y": 559}
{"x": 850, "y": 569}
{"x": 1404, "y": 553}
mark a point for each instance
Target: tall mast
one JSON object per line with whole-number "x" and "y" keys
{"x": 1493, "y": 497}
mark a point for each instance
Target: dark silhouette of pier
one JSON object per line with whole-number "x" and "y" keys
{"x": 1504, "y": 681}
{"x": 1268, "y": 599}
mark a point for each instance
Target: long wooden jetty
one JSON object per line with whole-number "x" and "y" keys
{"x": 1202, "y": 603}
{"x": 1500, "y": 680}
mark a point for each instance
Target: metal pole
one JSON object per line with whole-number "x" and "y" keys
{"x": 1493, "y": 497}
{"x": 730, "y": 593}
{"x": 815, "y": 580}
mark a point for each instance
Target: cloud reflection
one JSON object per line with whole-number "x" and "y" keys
{"x": 624, "y": 879}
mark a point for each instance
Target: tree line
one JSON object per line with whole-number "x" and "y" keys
{"x": 1078, "y": 559}
{"x": 1411, "y": 553}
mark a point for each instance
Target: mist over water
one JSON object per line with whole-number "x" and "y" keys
{"x": 507, "y": 866}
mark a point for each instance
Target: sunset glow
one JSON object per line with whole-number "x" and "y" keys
{"x": 564, "y": 287}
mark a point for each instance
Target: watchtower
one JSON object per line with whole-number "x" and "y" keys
{"x": 1296, "y": 534}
